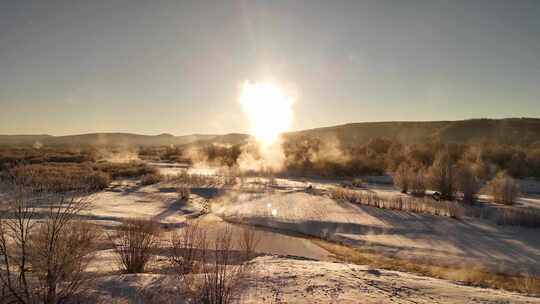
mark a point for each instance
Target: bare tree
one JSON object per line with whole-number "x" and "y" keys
{"x": 441, "y": 175}
{"x": 410, "y": 179}
{"x": 43, "y": 262}
{"x": 466, "y": 182}
{"x": 417, "y": 181}
{"x": 16, "y": 224}
{"x": 401, "y": 177}
{"x": 59, "y": 257}
{"x": 134, "y": 243}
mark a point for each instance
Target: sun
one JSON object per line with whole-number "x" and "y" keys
{"x": 269, "y": 110}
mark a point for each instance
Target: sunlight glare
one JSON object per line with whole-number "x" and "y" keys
{"x": 269, "y": 110}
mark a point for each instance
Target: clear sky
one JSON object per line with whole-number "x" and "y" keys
{"x": 177, "y": 66}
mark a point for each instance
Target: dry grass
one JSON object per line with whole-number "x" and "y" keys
{"x": 132, "y": 169}
{"x": 64, "y": 177}
{"x": 510, "y": 216}
{"x": 60, "y": 177}
{"x": 202, "y": 180}
{"x": 468, "y": 274}
{"x": 523, "y": 217}
{"x": 12, "y": 157}
{"x": 409, "y": 204}
{"x": 194, "y": 180}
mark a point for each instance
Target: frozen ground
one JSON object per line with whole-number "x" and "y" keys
{"x": 284, "y": 211}
{"x": 408, "y": 235}
{"x": 290, "y": 210}
{"x": 125, "y": 199}
{"x": 275, "y": 279}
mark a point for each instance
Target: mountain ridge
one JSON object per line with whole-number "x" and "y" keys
{"x": 513, "y": 131}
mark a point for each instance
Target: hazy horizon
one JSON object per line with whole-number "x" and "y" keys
{"x": 72, "y": 67}
{"x": 246, "y": 132}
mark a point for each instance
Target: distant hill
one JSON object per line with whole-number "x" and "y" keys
{"x": 101, "y": 140}
{"x": 22, "y": 140}
{"x": 512, "y": 131}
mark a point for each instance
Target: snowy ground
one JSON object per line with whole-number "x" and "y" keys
{"x": 275, "y": 279}
{"x": 126, "y": 199}
{"x": 443, "y": 240}
{"x": 284, "y": 212}
{"x": 288, "y": 209}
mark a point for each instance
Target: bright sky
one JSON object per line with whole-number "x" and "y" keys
{"x": 178, "y": 66}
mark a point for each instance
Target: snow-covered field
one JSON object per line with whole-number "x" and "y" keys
{"x": 284, "y": 213}
{"x": 274, "y": 279}
{"x": 406, "y": 235}
{"x": 125, "y": 199}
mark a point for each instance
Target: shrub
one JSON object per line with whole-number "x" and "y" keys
{"x": 221, "y": 273}
{"x": 358, "y": 182}
{"x": 503, "y": 189}
{"x": 248, "y": 242}
{"x": 97, "y": 180}
{"x": 218, "y": 268}
{"x": 134, "y": 243}
{"x": 183, "y": 192}
{"x": 187, "y": 248}
{"x": 150, "y": 179}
